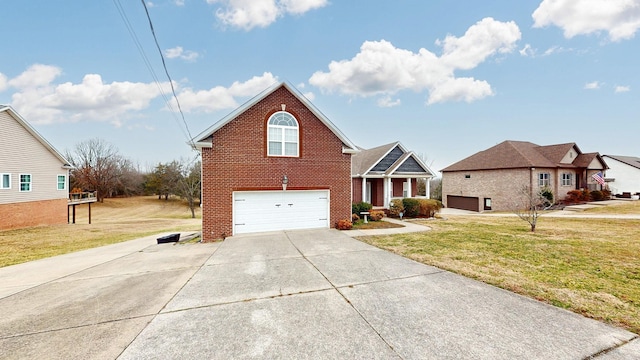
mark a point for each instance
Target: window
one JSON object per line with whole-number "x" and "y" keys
{"x": 6, "y": 181}
{"x": 25, "y": 182}
{"x": 567, "y": 179}
{"x": 543, "y": 179}
{"x": 62, "y": 182}
{"x": 487, "y": 203}
{"x": 282, "y": 135}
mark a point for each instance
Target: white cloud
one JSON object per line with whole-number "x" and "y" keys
{"x": 37, "y": 75}
{"x": 619, "y": 18}
{"x": 44, "y": 103}
{"x": 388, "y": 102}
{"x": 382, "y": 69}
{"x": 592, "y": 85}
{"x": 622, "y": 89}
{"x": 247, "y": 14}
{"x": 179, "y": 52}
{"x": 3, "y": 82}
{"x": 527, "y": 50}
{"x": 309, "y": 95}
{"x": 219, "y": 97}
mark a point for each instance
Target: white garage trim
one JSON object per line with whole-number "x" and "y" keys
{"x": 258, "y": 211}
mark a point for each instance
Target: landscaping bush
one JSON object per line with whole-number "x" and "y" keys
{"x": 357, "y": 208}
{"x": 354, "y": 217}
{"x": 344, "y": 224}
{"x": 547, "y": 193}
{"x": 606, "y": 194}
{"x": 429, "y": 207}
{"x": 411, "y": 207}
{"x": 396, "y": 207}
{"x": 576, "y": 196}
{"x": 596, "y": 195}
{"x": 376, "y": 215}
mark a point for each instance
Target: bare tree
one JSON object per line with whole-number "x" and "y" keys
{"x": 97, "y": 166}
{"x": 189, "y": 184}
{"x": 528, "y": 209}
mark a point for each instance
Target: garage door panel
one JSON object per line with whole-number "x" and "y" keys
{"x": 280, "y": 210}
{"x": 463, "y": 202}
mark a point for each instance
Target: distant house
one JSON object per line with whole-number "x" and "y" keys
{"x": 624, "y": 173}
{"x": 493, "y": 178}
{"x": 386, "y": 172}
{"x": 34, "y": 176}
{"x": 275, "y": 163}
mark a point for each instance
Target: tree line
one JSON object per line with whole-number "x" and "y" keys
{"x": 98, "y": 166}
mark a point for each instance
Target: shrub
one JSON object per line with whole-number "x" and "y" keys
{"x": 576, "y": 196}
{"x": 411, "y": 207}
{"x": 396, "y": 207}
{"x": 357, "y": 208}
{"x": 354, "y": 217}
{"x": 596, "y": 195}
{"x": 606, "y": 194}
{"x": 376, "y": 215}
{"x": 429, "y": 207}
{"x": 344, "y": 224}
{"x": 547, "y": 193}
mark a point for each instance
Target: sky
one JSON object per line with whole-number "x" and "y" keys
{"x": 446, "y": 78}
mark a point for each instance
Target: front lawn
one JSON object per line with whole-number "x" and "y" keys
{"x": 591, "y": 267}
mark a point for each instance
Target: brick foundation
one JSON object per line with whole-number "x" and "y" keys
{"x": 33, "y": 213}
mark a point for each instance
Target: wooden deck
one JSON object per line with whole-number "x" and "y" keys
{"x": 76, "y": 199}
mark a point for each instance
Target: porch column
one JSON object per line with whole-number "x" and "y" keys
{"x": 364, "y": 189}
{"x": 408, "y": 187}
{"x": 427, "y": 188}
{"x": 386, "y": 182}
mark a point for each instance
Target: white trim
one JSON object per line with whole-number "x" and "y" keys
{"x": 36, "y": 135}
{"x": 66, "y": 178}
{"x": 235, "y": 113}
{"x": 2, "y": 181}
{"x": 20, "y": 182}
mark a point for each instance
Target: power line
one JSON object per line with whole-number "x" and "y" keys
{"x": 164, "y": 65}
{"x": 145, "y": 59}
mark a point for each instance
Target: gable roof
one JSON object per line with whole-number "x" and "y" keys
{"x": 629, "y": 160}
{"x": 20, "y": 120}
{"x": 370, "y": 162}
{"x": 523, "y": 154}
{"x": 199, "y": 140}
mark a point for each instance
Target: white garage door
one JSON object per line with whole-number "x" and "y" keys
{"x": 256, "y": 211}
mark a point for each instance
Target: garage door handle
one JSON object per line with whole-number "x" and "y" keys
{"x": 278, "y": 205}
{"x": 290, "y": 205}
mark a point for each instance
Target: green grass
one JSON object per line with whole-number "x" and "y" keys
{"x": 591, "y": 267}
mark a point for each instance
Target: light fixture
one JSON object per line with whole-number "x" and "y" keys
{"x": 285, "y": 181}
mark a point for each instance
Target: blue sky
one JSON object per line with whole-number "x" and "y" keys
{"x": 447, "y": 78}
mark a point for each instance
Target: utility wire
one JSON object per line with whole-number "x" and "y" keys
{"x": 164, "y": 65}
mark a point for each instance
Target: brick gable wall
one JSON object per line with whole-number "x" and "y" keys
{"x": 237, "y": 161}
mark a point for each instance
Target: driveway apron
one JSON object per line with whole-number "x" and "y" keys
{"x": 320, "y": 294}
{"x": 316, "y": 294}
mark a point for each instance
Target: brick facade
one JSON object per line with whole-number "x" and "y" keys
{"x": 33, "y": 213}
{"x": 238, "y": 161}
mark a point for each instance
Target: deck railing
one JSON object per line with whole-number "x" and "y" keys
{"x": 82, "y": 197}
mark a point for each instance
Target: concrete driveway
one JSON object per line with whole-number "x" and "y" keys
{"x": 295, "y": 294}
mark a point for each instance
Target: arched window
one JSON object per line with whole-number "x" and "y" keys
{"x": 282, "y": 135}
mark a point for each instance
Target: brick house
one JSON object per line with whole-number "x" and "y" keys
{"x": 34, "y": 176}
{"x": 493, "y": 179}
{"x": 386, "y": 172}
{"x": 275, "y": 163}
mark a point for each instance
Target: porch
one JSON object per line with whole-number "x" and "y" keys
{"x": 380, "y": 191}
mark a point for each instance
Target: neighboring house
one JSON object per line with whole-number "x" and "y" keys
{"x": 34, "y": 176}
{"x": 278, "y": 140}
{"x": 624, "y": 173}
{"x": 494, "y": 179}
{"x": 386, "y": 172}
